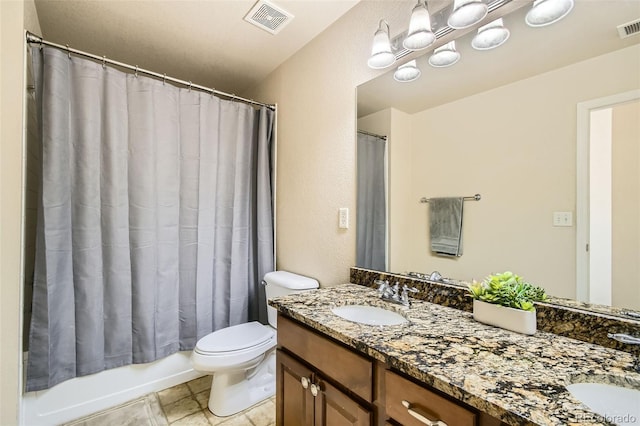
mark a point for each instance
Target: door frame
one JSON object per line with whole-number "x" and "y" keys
{"x": 584, "y": 110}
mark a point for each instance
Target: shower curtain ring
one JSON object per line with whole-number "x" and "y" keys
{"x": 136, "y": 73}
{"x": 68, "y": 51}
{"x": 104, "y": 62}
{"x": 189, "y": 85}
{"x": 164, "y": 78}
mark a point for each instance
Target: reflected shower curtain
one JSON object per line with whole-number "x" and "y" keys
{"x": 155, "y": 222}
{"x": 371, "y": 228}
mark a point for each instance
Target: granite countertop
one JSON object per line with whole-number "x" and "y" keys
{"x": 516, "y": 378}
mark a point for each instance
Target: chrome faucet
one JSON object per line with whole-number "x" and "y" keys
{"x": 384, "y": 289}
{"x": 404, "y": 297}
{"x": 434, "y": 276}
{"x": 624, "y": 338}
{"x": 393, "y": 293}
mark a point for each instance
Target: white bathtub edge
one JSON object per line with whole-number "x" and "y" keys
{"x": 86, "y": 395}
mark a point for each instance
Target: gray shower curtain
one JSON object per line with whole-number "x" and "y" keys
{"x": 371, "y": 228}
{"x": 155, "y": 222}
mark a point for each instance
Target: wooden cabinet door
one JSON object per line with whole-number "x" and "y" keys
{"x": 334, "y": 408}
{"x": 294, "y": 402}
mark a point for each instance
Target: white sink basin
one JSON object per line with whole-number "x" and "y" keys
{"x": 616, "y": 404}
{"x": 370, "y": 315}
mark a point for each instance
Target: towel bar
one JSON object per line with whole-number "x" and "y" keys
{"x": 474, "y": 198}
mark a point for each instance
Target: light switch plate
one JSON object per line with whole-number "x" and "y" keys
{"x": 343, "y": 214}
{"x": 562, "y": 219}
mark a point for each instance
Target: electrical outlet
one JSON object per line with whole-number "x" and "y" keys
{"x": 562, "y": 219}
{"x": 343, "y": 214}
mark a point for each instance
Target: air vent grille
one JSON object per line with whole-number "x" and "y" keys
{"x": 629, "y": 29}
{"x": 269, "y": 17}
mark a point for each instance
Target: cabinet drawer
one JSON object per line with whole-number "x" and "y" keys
{"x": 351, "y": 370}
{"x": 423, "y": 402}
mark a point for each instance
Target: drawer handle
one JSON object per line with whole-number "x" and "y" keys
{"x": 420, "y": 416}
{"x": 305, "y": 382}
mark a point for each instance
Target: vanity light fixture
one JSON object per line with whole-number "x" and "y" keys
{"x": 420, "y": 35}
{"x": 546, "y": 12}
{"x": 407, "y": 72}
{"x": 490, "y": 36}
{"x": 467, "y": 13}
{"x": 381, "y": 54}
{"x": 425, "y": 29}
{"x": 445, "y": 56}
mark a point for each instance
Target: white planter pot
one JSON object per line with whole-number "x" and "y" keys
{"x": 508, "y": 318}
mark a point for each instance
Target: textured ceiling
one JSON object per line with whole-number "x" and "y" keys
{"x": 588, "y": 31}
{"x": 204, "y": 41}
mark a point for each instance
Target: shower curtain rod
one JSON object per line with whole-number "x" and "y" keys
{"x": 372, "y": 134}
{"x": 32, "y": 38}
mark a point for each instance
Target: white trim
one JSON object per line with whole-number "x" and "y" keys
{"x": 582, "y": 183}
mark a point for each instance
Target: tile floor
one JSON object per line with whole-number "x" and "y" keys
{"x": 181, "y": 405}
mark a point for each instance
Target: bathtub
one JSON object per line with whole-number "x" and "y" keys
{"x": 82, "y": 396}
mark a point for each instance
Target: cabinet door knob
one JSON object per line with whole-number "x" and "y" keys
{"x": 421, "y": 416}
{"x": 314, "y": 390}
{"x": 305, "y": 382}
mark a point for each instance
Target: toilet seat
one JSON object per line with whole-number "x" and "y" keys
{"x": 238, "y": 338}
{"x": 236, "y": 347}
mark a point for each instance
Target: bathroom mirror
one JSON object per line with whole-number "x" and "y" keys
{"x": 503, "y": 123}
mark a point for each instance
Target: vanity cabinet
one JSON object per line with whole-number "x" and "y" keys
{"x": 319, "y": 382}
{"x": 322, "y": 382}
{"x": 305, "y": 398}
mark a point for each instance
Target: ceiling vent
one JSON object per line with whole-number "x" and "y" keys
{"x": 268, "y": 16}
{"x": 629, "y": 29}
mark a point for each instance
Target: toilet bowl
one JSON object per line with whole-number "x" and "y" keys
{"x": 242, "y": 358}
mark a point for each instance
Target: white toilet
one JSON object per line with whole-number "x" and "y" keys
{"x": 242, "y": 357}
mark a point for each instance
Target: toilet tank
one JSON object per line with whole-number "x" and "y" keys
{"x": 282, "y": 283}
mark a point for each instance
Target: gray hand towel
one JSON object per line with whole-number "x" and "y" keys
{"x": 445, "y": 225}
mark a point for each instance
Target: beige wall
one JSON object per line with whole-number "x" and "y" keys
{"x": 15, "y": 16}
{"x": 626, "y": 205}
{"x": 11, "y": 77}
{"x": 516, "y": 146}
{"x": 316, "y": 95}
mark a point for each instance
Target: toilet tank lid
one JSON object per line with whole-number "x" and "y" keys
{"x": 290, "y": 280}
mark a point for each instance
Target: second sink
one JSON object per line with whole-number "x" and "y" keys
{"x": 370, "y": 315}
{"x": 616, "y": 404}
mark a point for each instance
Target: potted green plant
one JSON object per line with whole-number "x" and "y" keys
{"x": 505, "y": 300}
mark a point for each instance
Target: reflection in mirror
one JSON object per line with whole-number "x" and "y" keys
{"x": 503, "y": 123}
{"x": 371, "y": 229}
